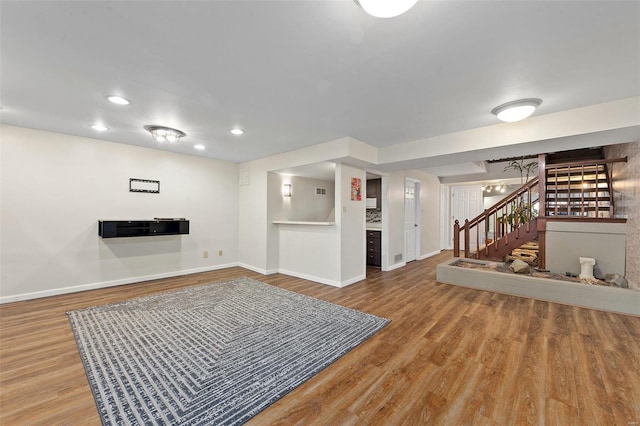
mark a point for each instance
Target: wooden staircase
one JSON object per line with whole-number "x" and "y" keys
{"x": 579, "y": 190}
{"x": 572, "y": 190}
{"x": 501, "y": 228}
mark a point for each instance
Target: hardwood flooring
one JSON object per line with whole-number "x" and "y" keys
{"x": 450, "y": 356}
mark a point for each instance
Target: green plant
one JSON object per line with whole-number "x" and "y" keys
{"x": 518, "y": 214}
{"x": 525, "y": 169}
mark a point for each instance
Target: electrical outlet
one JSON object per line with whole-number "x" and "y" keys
{"x": 219, "y": 252}
{"x": 205, "y": 254}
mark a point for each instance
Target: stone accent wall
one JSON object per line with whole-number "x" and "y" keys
{"x": 626, "y": 187}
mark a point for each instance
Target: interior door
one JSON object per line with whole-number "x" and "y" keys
{"x": 466, "y": 203}
{"x": 410, "y": 222}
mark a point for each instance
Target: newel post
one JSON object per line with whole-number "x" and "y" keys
{"x": 456, "y": 238}
{"x": 466, "y": 238}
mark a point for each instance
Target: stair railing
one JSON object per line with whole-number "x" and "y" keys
{"x": 582, "y": 182}
{"x": 495, "y": 223}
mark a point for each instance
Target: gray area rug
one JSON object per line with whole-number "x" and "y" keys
{"x": 214, "y": 354}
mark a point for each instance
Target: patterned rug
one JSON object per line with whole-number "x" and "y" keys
{"x": 215, "y": 354}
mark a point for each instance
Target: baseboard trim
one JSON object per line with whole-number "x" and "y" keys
{"x": 311, "y": 278}
{"x": 433, "y": 253}
{"x": 112, "y": 283}
{"x": 396, "y": 266}
{"x": 254, "y": 269}
{"x": 353, "y": 280}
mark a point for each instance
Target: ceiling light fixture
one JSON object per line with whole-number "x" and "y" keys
{"x": 118, "y": 100}
{"x": 199, "y": 147}
{"x": 516, "y": 110}
{"x": 165, "y": 134}
{"x": 385, "y": 8}
{"x": 99, "y": 127}
{"x": 237, "y": 131}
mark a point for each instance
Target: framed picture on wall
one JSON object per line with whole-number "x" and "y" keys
{"x": 356, "y": 189}
{"x": 144, "y": 185}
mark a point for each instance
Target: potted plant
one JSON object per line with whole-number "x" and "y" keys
{"x": 525, "y": 169}
{"x": 520, "y": 211}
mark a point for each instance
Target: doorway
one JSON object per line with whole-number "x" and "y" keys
{"x": 466, "y": 203}
{"x": 411, "y": 219}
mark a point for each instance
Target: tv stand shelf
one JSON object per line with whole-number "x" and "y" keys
{"x": 142, "y": 228}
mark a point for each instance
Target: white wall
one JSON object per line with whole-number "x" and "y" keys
{"x": 334, "y": 254}
{"x": 352, "y": 224}
{"x": 56, "y": 187}
{"x": 310, "y": 252}
{"x": 430, "y": 212}
{"x": 304, "y": 204}
{"x": 429, "y": 218}
{"x": 258, "y": 238}
{"x": 604, "y": 242}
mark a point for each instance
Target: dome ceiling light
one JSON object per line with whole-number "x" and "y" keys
{"x": 385, "y": 8}
{"x": 165, "y": 134}
{"x": 99, "y": 127}
{"x": 118, "y": 100}
{"x": 516, "y": 110}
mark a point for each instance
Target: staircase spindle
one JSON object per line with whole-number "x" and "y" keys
{"x": 569, "y": 193}
{"x": 582, "y": 187}
{"x": 555, "y": 200}
{"x": 598, "y": 191}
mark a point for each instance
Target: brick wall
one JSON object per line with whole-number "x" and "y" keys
{"x": 626, "y": 186}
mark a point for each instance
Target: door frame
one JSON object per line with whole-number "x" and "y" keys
{"x": 418, "y": 211}
{"x": 384, "y": 245}
{"x": 446, "y": 227}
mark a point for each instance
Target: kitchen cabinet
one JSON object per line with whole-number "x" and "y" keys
{"x": 374, "y": 190}
{"x": 374, "y": 248}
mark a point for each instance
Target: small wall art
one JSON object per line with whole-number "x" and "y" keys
{"x": 356, "y": 189}
{"x": 144, "y": 185}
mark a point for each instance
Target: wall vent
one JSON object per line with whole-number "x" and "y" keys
{"x": 398, "y": 258}
{"x": 321, "y": 191}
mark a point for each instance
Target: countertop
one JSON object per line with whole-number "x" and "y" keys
{"x": 299, "y": 222}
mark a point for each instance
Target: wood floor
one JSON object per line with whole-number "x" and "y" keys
{"x": 450, "y": 356}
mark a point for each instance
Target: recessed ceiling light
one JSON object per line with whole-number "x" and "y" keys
{"x": 118, "y": 100}
{"x": 99, "y": 127}
{"x": 516, "y": 110}
{"x": 237, "y": 131}
{"x": 199, "y": 147}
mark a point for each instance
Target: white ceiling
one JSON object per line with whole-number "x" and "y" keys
{"x": 297, "y": 73}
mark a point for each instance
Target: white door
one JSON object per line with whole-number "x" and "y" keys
{"x": 445, "y": 230}
{"x": 411, "y": 228}
{"x": 466, "y": 203}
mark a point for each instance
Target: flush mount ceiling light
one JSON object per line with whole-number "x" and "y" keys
{"x": 237, "y": 131}
{"x": 165, "y": 134}
{"x": 385, "y": 8}
{"x": 99, "y": 127}
{"x": 516, "y": 110}
{"x": 118, "y": 100}
{"x": 199, "y": 147}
